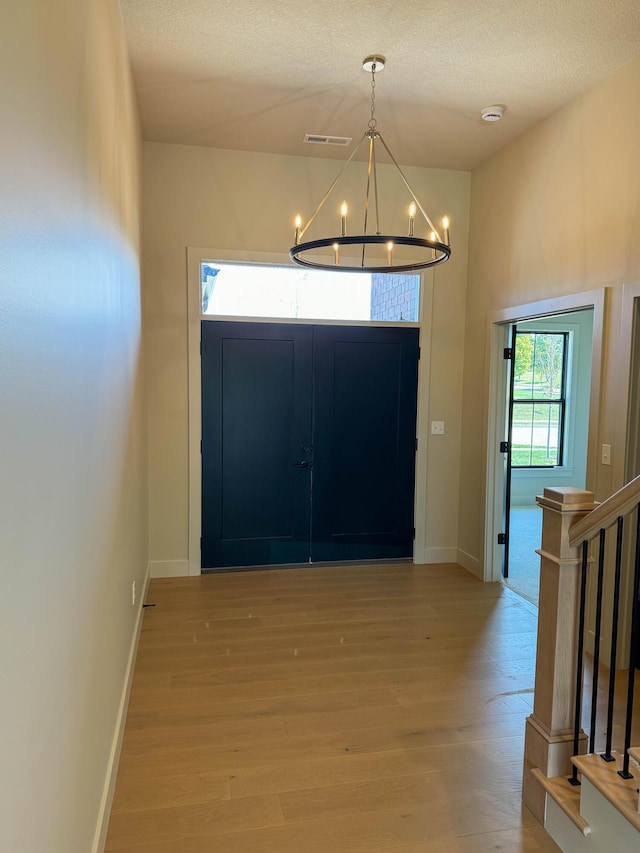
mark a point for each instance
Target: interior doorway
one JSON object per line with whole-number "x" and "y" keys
{"x": 547, "y": 410}
{"x": 573, "y": 310}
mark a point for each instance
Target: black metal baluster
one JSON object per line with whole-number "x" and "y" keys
{"x": 634, "y": 642}
{"x": 596, "y": 647}
{"x": 580, "y": 662}
{"x": 614, "y": 640}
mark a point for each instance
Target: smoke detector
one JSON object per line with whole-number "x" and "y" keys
{"x": 494, "y": 113}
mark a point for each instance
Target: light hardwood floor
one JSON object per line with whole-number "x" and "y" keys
{"x": 349, "y": 709}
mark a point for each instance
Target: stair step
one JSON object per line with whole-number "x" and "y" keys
{"x": 603, "y": 775}
{"x": 566, "y": 796}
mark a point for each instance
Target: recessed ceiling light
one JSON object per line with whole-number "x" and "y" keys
{"x": 493, "y": 113}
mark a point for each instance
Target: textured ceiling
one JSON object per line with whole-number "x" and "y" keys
{"x": 258, "y": 74}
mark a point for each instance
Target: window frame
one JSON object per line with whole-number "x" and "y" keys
{"x": 560, "y": 401}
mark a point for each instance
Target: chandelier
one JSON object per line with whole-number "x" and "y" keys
{"x": 373, "y": 252}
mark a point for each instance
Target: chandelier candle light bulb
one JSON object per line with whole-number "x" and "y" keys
{"x": 433, "y": 237}
{"x": 343, "y": 218}
{"x": 390, "y": 253}
{"x": 412, "y": 217}
{"x": 336, "y": 248}
{"x": 297, "y": 234}
{"x": 445, "y": 225}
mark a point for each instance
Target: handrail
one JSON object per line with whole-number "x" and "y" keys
{"x": 571, "y": 524}
{"x": 619, "y": 503}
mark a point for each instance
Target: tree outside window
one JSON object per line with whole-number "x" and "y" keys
{"x": 538, "y": 399}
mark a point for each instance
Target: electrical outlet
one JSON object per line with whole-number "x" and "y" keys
{"x": 606, "y": 454}
{"x": 437, "y": 427}
{"x": 133, "y": 593}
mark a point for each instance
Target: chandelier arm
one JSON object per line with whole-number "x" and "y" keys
{"x": 328, "y": 192}
{"x": 366, "y": 198}
{"x": 375, "y": 188}
{"x": 408, "y": 186}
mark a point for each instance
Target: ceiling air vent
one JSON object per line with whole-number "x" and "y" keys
{"x": 319, "y": 139}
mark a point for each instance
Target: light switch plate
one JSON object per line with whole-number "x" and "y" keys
{"x": 437, "y": 427}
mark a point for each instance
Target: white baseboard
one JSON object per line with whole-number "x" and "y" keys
{"x": 439, "y": 555}
{"x": 170, "y": 569}
{"x": 114, "y": 756}
{"x": 471, "y": 564}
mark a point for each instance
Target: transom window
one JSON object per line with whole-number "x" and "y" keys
{"x": 539, "y": 399}
{"x": 253, "y": 290}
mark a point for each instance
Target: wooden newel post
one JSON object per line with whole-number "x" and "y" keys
{"x": 548, "y": 743}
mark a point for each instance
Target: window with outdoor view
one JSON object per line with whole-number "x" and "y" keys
{"x": 254, "y": 290}
{"x": 540, "y": 365}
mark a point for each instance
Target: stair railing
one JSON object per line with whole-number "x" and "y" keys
{"x": 614, "y": 511}
{"x": 553, "y": 734}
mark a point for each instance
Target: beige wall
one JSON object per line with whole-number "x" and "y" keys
{"x": 245, "y": 202}
{"x": 556, "y": 212}
{"x": 72, "y": 457}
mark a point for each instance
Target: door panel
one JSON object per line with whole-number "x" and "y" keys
{"x": 308, "y": 448}
{"x": 256, "y": 417}
{"x": 364, "y": 442}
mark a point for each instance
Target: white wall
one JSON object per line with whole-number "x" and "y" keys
{"x": 72, "y": 455}
{"x": 243, "y": 202}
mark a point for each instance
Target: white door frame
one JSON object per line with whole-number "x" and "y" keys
{"x": 624, "y": 425}
{"x": 195, "y": 257}
{"x": 626, "y": 435}
{"x": 497, "y": 334}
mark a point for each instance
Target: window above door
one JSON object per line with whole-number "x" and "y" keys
{"x": 257, "y": 291}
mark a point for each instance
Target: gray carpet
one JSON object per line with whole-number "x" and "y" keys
{"x": 524, "y": 564}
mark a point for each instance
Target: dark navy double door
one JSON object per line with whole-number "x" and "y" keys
{"x": 308, "y": 443}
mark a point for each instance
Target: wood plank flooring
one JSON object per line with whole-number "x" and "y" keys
{"x": 344, "y": 709}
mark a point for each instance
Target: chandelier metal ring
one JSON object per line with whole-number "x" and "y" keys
{"x": 433, "y": 249}
{"x": 441, "y": 251}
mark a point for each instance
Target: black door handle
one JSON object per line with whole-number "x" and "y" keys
{"x": 303, "y": 464}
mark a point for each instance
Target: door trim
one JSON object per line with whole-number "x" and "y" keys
{"x": 197, "y": 255}
{"x": 627, "y": 429}
{"x": 498, "y": 323}
{"x": 622, "y": 463}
